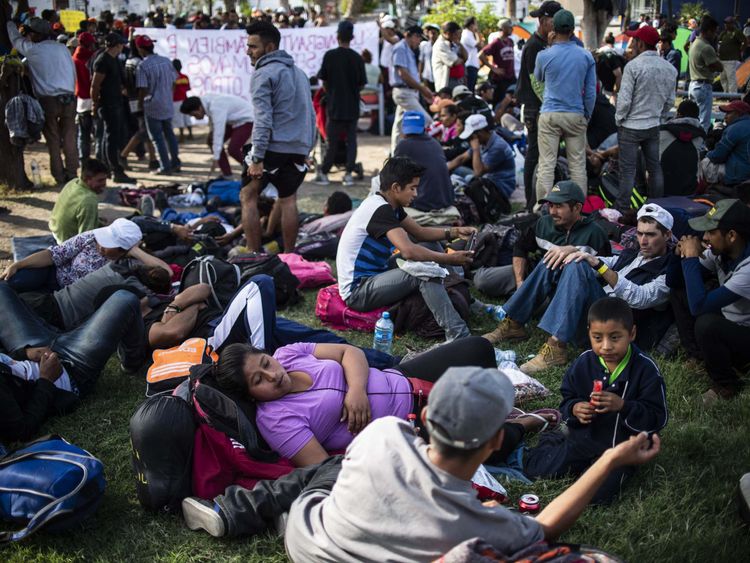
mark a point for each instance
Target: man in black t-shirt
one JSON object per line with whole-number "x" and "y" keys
{"x": 526, "y": 94}
{"x": 106, "y": 94}
{"x": 343, "y": 76}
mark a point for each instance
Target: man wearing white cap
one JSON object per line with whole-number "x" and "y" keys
{"x": 61, "y": 265}
{"x": 636, "y": 276}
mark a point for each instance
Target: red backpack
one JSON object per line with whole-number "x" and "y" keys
{"x": 333, "y": 312}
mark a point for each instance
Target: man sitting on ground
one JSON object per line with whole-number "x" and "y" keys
{"x": 377, "y": 228}
{"x": 490, "y": 157}
{"x": 564, "y": 231}
{"x": 638, "y": 277}
{"x": 77, "y": 207}
{"x": 435, "y": 189}
{"x": 729, "y": 162}
{"x": 715, "y": 325}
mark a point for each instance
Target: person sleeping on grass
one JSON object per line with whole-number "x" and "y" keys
{"x": 314, "y": 398}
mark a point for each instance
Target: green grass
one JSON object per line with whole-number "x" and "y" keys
{"x": 679, "y": 508}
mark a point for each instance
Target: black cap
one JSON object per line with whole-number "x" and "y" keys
{"x": 113, "y": 39}
{"x": 565, "y": 191}
{"x": 415, "y": 30}
{"x": 549, "y": 9}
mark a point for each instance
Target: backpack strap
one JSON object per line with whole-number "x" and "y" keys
{"x": 204, "y": 272}
{"x": 52, "y": 509}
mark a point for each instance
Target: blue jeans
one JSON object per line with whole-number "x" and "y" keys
{"x": 161, "y": 134}
{"x": 471, "y": 77}
{"x": 84, "y": 350}
{"x": 702, "y": 93}
{"x": 577, "y": 287}
{"x": 629, "y": 141}
{"x": 35, "y": 279}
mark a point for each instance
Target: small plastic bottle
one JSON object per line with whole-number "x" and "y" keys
{"x": 36, "y": 176}
{"x": 496, "y": 311}
{"x": 383, "y": 336}
{"x": 504, "y": 356}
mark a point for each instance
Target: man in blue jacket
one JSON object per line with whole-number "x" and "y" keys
{"x": 729, "y": 162}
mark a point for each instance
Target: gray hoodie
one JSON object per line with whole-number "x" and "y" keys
{"x": 284, "y": 117}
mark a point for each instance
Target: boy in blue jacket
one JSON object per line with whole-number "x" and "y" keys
{"x": 632, "y": 400}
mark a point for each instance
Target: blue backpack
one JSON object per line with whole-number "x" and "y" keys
{"x": 51, "y": 483}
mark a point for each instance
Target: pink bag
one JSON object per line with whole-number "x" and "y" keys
{"x": 309, "y": 274}
{"x": 333, "y": 312}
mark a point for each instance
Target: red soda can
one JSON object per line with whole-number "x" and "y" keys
{"x": 412, "y": 418}
{"x": 598, "y": 386}
{"x": 528, "y": 504}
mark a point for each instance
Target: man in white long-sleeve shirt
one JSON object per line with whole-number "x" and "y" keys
{"x": 231, "y": 118}
{"x": 53, "y": 77}
{"x": 646, "y": 95}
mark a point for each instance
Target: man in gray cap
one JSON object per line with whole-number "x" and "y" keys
{"x": 53, "y": 77}
{"x": 398, "y": 498}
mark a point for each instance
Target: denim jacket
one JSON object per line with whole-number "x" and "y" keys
{"x": 734, "y": 150}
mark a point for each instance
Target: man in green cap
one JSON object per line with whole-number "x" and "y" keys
{"x": 636, "y": 276}
{"x": 715, "y": 325}
{"x": 569, "y": 76}
{"x": 560, "y": 233}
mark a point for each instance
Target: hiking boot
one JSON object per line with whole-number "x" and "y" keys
{"x": 548, "y": 357}
{"x": 147, "y": 205}
{"x": 508, "y": 329}
{"x": 348, "y": 180}
{"x": 122, "y": 178}
{"x": 205, "y": 515}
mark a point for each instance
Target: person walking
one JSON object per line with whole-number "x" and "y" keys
{"x": 283, "y": 133}
{"x": 405, "y": 81}
{"x": 107, "y": 102}
{"x": 155, "y": 78}
{"x": 731, "y": 42}
{"x": 703, "y": 63}
{"x": 647, "y": 93}
{"x": 343, "y": 76}
{"x": 529, "y": 98}
{"x": 568, "y": 73}
{"x": 53, "y": 78}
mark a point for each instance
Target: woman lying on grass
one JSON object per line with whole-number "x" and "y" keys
{"x": 314, "y": 398}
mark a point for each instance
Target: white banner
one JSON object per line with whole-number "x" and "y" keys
{"x": 216, "y": 61}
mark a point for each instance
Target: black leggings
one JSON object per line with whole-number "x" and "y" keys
{"x": 470, "y": 351}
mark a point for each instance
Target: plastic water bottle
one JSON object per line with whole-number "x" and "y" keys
{"x": 36, "y": 176}
{"x": 496, "y": 311}
{"x": 504, "y": 356}
{"x": 383, "y": 337}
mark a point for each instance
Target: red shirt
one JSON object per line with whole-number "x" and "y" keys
{"x": 501, "y": 51}
{"x": 83, "y": 74}
{"x": 181, "y": 87}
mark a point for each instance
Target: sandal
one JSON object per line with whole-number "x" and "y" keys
{"x": 538, "y": 414}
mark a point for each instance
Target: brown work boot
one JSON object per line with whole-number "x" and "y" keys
{"x": 549, "y": 356}
{"x": 508, "y": 329}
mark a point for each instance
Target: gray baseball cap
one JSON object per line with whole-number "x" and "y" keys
{"x": 468, "y": 405}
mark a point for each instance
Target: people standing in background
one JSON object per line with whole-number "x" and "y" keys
{"x": 425, "y": 55}
{"x": 181, "y": 87}
{"x": 503, "y": 64}
{"x": 731, "y": 42}
{"x": 85, "y": 121}
{"x": 53, "y": 78}
{"x": 668, "y": 52}
{"x": 139, "y": 138}
{"x": 448, "y": 57}
{"x": 472, "y": 42}
{"x": 343, "y": 76}
{"x": 703, "y": 63}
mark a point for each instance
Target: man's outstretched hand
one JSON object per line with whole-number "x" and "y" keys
{"x": 636, "y": 451}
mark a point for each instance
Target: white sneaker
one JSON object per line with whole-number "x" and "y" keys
{"x": 200, "y": 514}
{"x": 322, "y": 179}
{"x": 348, "y": 180}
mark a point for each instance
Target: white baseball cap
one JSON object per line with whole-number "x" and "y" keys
{"x": 658, "y": 214}
{"x": 388, "y": 24}
{"x": 473, "y": 124}
{"x": 120, "y": 234}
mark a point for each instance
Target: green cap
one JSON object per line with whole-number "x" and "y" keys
{"x": 726, "y": 214}
{"x": 564, "y": 21}
{"x": 565, "y": 191}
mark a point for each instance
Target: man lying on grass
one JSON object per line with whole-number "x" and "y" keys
{"x": 397, "y": 498}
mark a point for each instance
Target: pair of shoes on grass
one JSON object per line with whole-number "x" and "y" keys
{"x": 553, "y": 353}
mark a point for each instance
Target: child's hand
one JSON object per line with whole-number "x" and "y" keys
{"x": 604, "y": 401}
{"x": 584, "y": 412}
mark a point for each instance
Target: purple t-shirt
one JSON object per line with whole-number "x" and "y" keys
{"x": 289, "y": 423}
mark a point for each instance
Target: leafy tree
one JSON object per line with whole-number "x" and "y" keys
{"x": 446, "y": 11}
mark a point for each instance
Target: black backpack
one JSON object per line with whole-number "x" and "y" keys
{"x": 491, "y": 204}
{"x": 284, "y": 281}
{"x": 221, "y": 276}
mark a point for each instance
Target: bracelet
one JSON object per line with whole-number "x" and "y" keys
{"x": 177, "y": 308}
{"x": 602, "y": 269}
{"x": 447, "y": 233}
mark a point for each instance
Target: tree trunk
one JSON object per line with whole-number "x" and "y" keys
{"x": 354, "y": 9}
{"x": 230, "y": 5}
{"x": 11, "y": 163}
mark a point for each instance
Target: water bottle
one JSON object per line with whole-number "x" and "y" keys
{"x": 496, "y": 311}
{"x": 504, "y": 356}
{"x": 36, "y": 177}
{"x": 383, "y": 338}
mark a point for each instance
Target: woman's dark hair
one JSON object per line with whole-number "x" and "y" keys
{"x": 471, "y": 20}
{"x": 177, "y": 64}
{"x": 267, "y": 32}
{"x": 611, "y": 309}
{"x": 228, "y": 371}
{"x": 399, "y": 170}
{"x": 155, "y": 278}
{"x": 190, "y": 104}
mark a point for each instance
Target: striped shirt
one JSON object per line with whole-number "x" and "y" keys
{"x": 157, "y": 75}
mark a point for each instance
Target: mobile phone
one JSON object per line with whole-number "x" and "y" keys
{"x": 472, "y": 244}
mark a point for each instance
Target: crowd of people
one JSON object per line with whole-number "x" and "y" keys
{"x": 609, "y": 256}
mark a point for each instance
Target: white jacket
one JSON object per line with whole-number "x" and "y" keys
{"x": 223, "y": 110}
